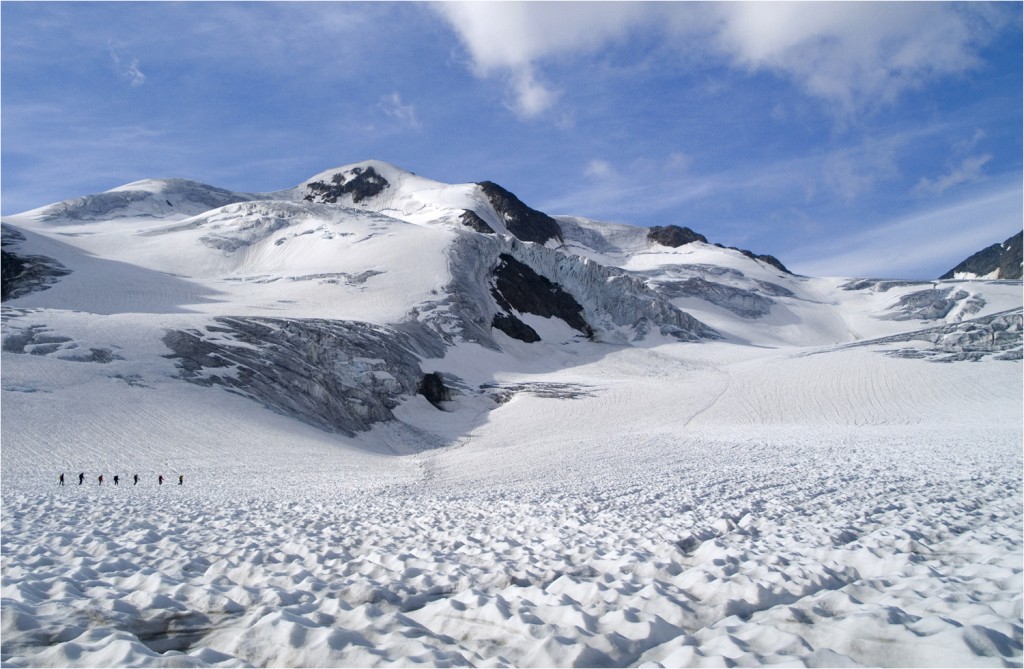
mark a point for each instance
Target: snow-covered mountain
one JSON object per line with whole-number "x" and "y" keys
{"x": 998, "y": 261}
{"x": 425, "y": 423}
{"x": 325, "y": 301}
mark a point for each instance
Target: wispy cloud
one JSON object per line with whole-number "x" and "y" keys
{"x": 599, "y": 169}
{"x": 921, "y": 245}
{"x": 393, "y": 106}
{"x": 126, "y": 66}
{"x": 968, "y": 171}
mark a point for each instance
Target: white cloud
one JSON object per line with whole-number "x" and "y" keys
{"x": 510, "y": 39}
{"x": 511, "y": 35}
{"x": 968, "y": 171}
{"x": 392, "y": 105}
{"x": 126, "y": 66}
{"x": 853, "y": 55}
{"x": 530, "y": 98}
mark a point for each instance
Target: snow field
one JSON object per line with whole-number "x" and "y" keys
{"x": 588, "y": 521}
{"x": 660, "y": 551}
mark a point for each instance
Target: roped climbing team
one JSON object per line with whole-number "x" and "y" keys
{"x": 117, "y": 479}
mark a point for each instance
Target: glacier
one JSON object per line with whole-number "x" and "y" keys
{"x": 697, "y": 458}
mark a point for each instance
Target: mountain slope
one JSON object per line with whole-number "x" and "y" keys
{"x": 332, "y": 302}
{"x": 999, "y": 261}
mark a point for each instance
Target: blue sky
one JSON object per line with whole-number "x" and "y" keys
{"x": 857, "y": 139}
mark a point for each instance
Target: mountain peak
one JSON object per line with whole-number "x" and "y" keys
{"x": 998, "y": 261}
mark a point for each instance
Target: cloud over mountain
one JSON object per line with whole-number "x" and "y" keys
{"x": 852, "y": 56}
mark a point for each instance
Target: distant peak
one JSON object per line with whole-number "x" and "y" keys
{"x": 359, "y": 182}
{"x": 674, "y": 236}
{"x": 525, "y": 222}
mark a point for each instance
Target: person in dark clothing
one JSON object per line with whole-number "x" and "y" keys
{"x": 62, "y": 478}
{"x": 161, "y": 479}
{"x": 136, "y": 480}
{"x": 181, "y": 479}
{"x": 81, "y": 478}
{"x": 101, "y": 479}
{"x": 116, "y": 479}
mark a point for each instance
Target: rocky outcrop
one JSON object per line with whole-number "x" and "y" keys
{"x": 526, "y": 223}
{"x": 433, "y": 389}
{"x": 618, "y": 305}
{"x": 999, "y": 261}
{"x": 471, "y": 220}
{"x": 514, "y": 328}
{"x": 359, "y": 183}
{"x": 340, "y": 376}
{"x": 674, "y": 236}
{"x": 767, "y": 259}
{"x": 22, "y": 274}
{"x": 517, "y": 287}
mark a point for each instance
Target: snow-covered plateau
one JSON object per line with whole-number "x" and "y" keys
{"x": 422, "y": 424}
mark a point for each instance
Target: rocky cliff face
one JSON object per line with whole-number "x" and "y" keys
{"x": 22, "y": 273}
{"x": 999, "y": 261}
{"x": 359, "y": 183}
{"x": 619, "y": 306}
{"x": 517, "y": 287}
{"x": 674, "y": 236}
{"x": 524, "y": 222}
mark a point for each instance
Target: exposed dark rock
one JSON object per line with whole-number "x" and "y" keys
{"x": 470, "y": 219}
{"x": 527, "y": 224}
{"x": 1006, "y": 258}
{"x": 432, "y": 387}
{"x": 674, "y": 236}
{"x": 11, "y": 267}
{"x": 515, "y": 328}
{"x": 363, "y": 183}
{"x": 21, "y": 274}
{"x": 337, "y": 375}
{"x": 619, "y": 306}
{"x": 767, "y": 259}
{"x": 518, "y": 287}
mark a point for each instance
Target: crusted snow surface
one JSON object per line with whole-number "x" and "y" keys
{"x": 617, "y": 507}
